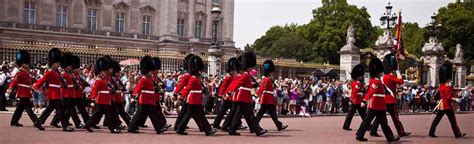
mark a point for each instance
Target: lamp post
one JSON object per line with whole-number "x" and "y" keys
{"x": 214, "y": 51}
{"x": 433, "y": 28}
{"x": 388, "y": 18}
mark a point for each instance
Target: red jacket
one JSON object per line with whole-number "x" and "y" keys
{"x": 266, "y": 91}
{"x": 146, "y": 91}
{"x": 68, "y": 92}
{"x": 118, "y": 92}
{"x": 356, "y": 93}
{"x": 446, "y": 94}
{"x": 101, "y": 92}
{"x": 234, "y": 81}
{"x": 193, "y": 91}
{"x": 77, "y": 92}
{"x": 391, "y": 82}
{"x": 242, "y": 86}
{"x": 376, "y": 95}
{"x": 54, "y": 84}
{"x": 22, "y": 83}
{"x": 225, "y": 84}
{"x": 183, "y": 82}
{"x": 157, "y": 82}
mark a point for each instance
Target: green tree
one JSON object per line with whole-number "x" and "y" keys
{"x": 413, "y": 37}
{"x": 458, "y": 27}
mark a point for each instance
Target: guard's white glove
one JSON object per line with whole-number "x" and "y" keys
{"x": 7, "y": 96}
{"x": 362, "y": 104}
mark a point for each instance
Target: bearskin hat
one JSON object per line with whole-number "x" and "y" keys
{"x": 232, "y": 64}
{"x": 102, "y": 64}
{"x": 146, "y": 65}
{"x": 115, "y": 67}
{"x": 268, "y": 67}
{"x": 157, "y": 63}
{"x": 375, "y": 67}
{"x": 239, "y": 61}
{"x": 185, "y": 61}
{"x": 390, "y": 63}
{"x": 22, "y": 57}
{"x": 357, "y": 71}
{"x": 76, "y": 62}
{"x": 445, "y": 72}
{"x": 54, "y": 56}
{"x": 248, "y": 60}
{"x": 67, "y": 60}
{"x": 195, "y": 64}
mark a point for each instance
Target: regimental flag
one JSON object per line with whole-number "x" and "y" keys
{"x": 399, "y": 47}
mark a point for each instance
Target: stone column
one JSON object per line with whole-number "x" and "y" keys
{"x": 350, "y": 55}
{"x": 214, "y": 59}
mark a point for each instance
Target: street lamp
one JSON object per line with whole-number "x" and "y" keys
{"x": 433, "y": 27}
{"x": 388, "y": 18}
{"x": 216, "y": 13}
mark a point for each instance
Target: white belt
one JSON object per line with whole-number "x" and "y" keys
{"x": 148, "y": 92}
{"x": 268, "y": 92}
{"x": 244, "y": 88}
{"x": 359, "y": 93}
{"x": 54, "y": 85}
{"x": 118, "y": 91}
{"x": 70, "y": 86}
{"x": 196, "y": 91}
{"x": 24, "y": 85}
{"x": 104, "y": 92}
{"x": 379, "y": 95}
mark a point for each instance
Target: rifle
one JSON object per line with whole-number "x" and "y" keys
{"x": 64, "y": 83}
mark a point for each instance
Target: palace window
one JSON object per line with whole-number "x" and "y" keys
{"x": 198, "y": 29}
{"x": 30, "y": 13}
{"x": 181, "y": 27}
{"x": 216, "y": 1}
{"x": 92, "y": 19}
{"x": 120, "y": 22}
{"x": 61, "y": 18}
{"x": 146, "y": 25}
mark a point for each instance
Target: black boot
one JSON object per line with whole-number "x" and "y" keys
{"x": 461, "y": 135}
{"x": 213, "y": 131}
{"x": 361, "y": 138}
{"x": 283, "y": 127}
{"x": 261, "y": 132}
{"x": 16, "y": 125}
{"x": 38, "y": 125}
{"x": 68, "y": 129}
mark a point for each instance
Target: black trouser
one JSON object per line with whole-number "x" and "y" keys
{"x": 246, "y": 110}
{"x": 382, "y": 116}
{"x": 120, "y": 111}
{"x": 75, "y": 103}
{"x": 109, "y": 112}
{"x": 196, "y": 111}
{"x": 181, "y": 114}
{"x": 3, "y": 99}
{"x": 210, "y": 104}
{"x": 148, "y": 111}
{"x": 226, "y": 105}
{"x": 345, "y": 104}
{"x": 54, "y": 104}
{"x": 69, "y": 111}
{"x": 161, "y": 117}
{"x": 392, "y": 110}
{"x": 24, "y": 104}
{"x": 271, "y": 110}
{"x": 230, "y": 116}
{"x": 451, "y": 118}
{"x": 350, "y": 114}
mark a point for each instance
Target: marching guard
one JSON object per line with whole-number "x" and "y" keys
{"x": 117, "y": 102}
{"x": 265, "y": 92}
{"x": 102, "y": 95}
{"x": 55, "y": 82}
{"x": 391, "y": 82}
{"x": 231, "y": 68}
{"x": 158, "y": 83}
{"x": 22, "y": 84}
{"x": 244, "y": 97}
{"x": 79, "y": 87}
{"x": 446, "y": 92}
{"x": 233, "y": 99}
{"x": 376, "y": 103}
{"x": 356, "y": 97}
{"x": 193, "y": 95}
{"x": 145, "y": 91}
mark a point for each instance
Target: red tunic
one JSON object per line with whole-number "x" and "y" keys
{"x": 446, "y": 94}
{"x": 101, "y": 92}
{"x": 54, "y": 84}
{"x": 376, "y": 95}
{"x": 77, "y": 92}
{"x": 118, "y": 92}
{"x": 157, "y": 82}
{"x": 183, "y": 82}
{"x": 193, "y": 91}
{"x": 146, "y": 91}
{"x": 356, "y": 93}
{"x": 68, "y": 92}
{"x": 391, "y": 82}
{"x": 22, "y": 83}
{"x": 225, "y": 84}
{"x": 266, "y": 91}
{"x": 242, "y": 86}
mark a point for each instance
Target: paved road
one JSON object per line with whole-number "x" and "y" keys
{"x": 326, "y": 129}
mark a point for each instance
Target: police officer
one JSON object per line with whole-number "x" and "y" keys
{"x": 376, "y": 103}
{"x": 22, "y": 83}
{"x": 446, "y": 92}
{"x": 265, "y": 92}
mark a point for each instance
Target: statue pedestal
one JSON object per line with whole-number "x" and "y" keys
{"x": 460, "y": 74}
{"x": 350, "y": 57}
{"x": 214, "y": 61}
